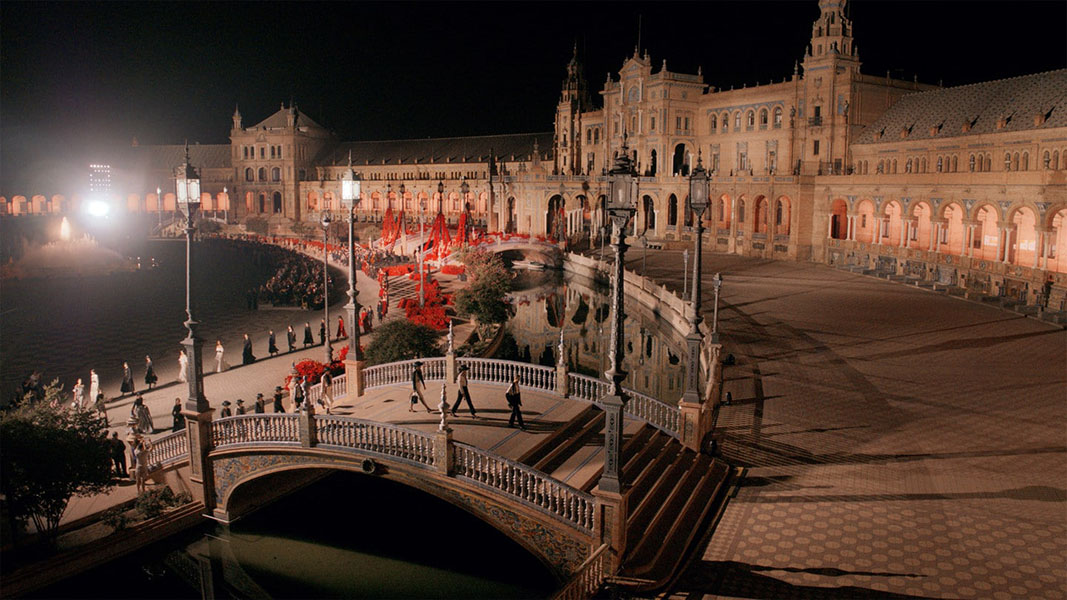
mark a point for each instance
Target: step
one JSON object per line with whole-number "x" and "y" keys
{"x": 635, "y": 445}
{"x": 562, "y": 451}
{"x": 667, "y": 540}
{"x": 553, "y": 440}
{"x": 662, "y": 483}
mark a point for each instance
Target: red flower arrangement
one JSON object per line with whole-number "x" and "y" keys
{"x": 312, "y": 370}
{"x": 453, "y": 269}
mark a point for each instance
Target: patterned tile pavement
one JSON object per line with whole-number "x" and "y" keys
{"x": 899, "y": 443}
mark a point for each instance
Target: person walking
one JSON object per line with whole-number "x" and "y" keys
{"x": 127, "y": 379}
{"x": 94, "y": 384}
{"x": 226, "y": 411}
{"x": 150, "y": 377}
{"x": 142, "y": 453}
{"x": 515, "y": 402}
{"x": 219, "y": 353}
{"x": 418, "y": 386}
{"x": 290, "y": 337}
{"x": 247, "y": 357}
{"x": 308, "y": 340}
{"x": 118, "y": 454}
{"x": 322, "y": 331}
{"x": 177, "y": 418}
{"x": 278, "y": 396}
{"x": 341, "y": 333}
{"x": 79, "y": 394}
{"x": 260, "y": 406}
{"x": 183, "y": 366}
{"x": 144, "y": 419}
{"x": 463, "y": 393}
{"x": 301, "y": 394}
{"x": 272, "y": 346}
{"x": 101, "y": 407}
{"x": 326, "y": 398}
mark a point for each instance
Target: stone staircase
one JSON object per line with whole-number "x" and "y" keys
{"x": 672, "y": 492}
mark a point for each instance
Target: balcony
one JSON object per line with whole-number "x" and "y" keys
{"x": 815, "y": 121}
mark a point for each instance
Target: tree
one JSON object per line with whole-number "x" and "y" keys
{"x": 488, "y": 282}
{"x": 48, "y": 454}
{"x": 401, "y": 340}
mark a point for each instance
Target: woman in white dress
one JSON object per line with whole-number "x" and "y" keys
{"x": 218, "y": 356}
{"x": 183, "y": 367}
{"x": 94, "y": 384}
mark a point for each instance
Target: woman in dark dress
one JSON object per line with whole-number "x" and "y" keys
{"x": 127, "y": 379}
{"x": 290, "y": 336}
{"x": 149, "y": 372}
{"x": 176, "y": 414}
{"x": 272, "y": 345}
{"x": 308, "y": 340}
{"x": 247, "y": 357}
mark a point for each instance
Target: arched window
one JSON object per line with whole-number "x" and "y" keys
{"x": 1046, "y": 160}
{"x": 894, "y": 166}
{"x": 955, "y": 163}
{"x": 778, "y": 213}
{"x": 988, "y": 163}
{"x": 750, "y": 119}
{"x": 1015, "y": 162}
{"x": 725, "y": 120}
{"x": 262, "y": 174}
{"x": 272, "y": 151}
{"x": 1026, "y": 161}
{"x": 923, "y": 166}
{"x": 275, "y": 174}
{"x": 713, "y": 124}
{"x": 763, "y": 118}
{"x": 249, "y": 174}
{"x": 1007, "y": 161}
{"x": 777, "y": 117}
{"x": 740, "y": 211}
{"x": 737, "y": 121}
{"x": 881, "y": 167}
{"x": 971, "y": 161}
{"x": 940, "y": 163}
{"x": 1055, "y": 159}
{"x": 907, "y": 166}
{"x": 672, "y": 211}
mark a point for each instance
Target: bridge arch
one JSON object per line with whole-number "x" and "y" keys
{"x": 561, "y": 548}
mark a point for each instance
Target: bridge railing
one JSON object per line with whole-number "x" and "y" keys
{"x": 400, "y": 372}
{"x": 588, "y": 578}
{"x": 376, "y": 438}
{"x": 169, "y": 449}
{"x": 337, "y": 390}
{"x": 527, "y": 484}
{"x": 248, "y": 429}
{"x": 491, "y": 370}
{"x": 659, "y": 414}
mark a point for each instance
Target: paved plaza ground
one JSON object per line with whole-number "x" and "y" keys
{"x": 900, "y": 443}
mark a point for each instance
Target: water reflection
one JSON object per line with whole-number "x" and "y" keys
{"x": 545, "y": 302}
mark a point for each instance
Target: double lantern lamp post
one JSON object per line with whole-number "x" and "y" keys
{"x": 350, "y": 195}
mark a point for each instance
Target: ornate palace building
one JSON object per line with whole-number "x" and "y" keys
{"x": 962, "y": 187}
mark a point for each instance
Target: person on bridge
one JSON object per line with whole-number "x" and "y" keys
{"x": 178, "y": 419}
{"x": 308, "y": 340}
{"x": 418, "y": 386}
{"x": 150, "y": 377}
{"x": 272, "y": 344}
{"x": 278, "y": 396}
{"x": 463, "y": 393}
{"x": 143, "y": 418}
{"x": 127, "y": 379}
{"x": 247, "y": 357}
{"x": 515, "y": 402}
{"x": 322, "y": 331}
{"x": 183, "y": 366}
{"x": 79, "y": 394}
{"x": 326, "y": 399}
{"x": 290, "y": 337}
{"x": 226, "y": 410}
{"x": 118, "y": 455}
{"x": 94, "y": 384}
{"x": 341, "y": 333}
{"x": 219, "y": 352}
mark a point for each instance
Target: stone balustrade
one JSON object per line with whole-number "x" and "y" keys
{"x": 375, "y": 438}
{"x": 525, "y": 483}
{"x": 171, "y": 448}
{"x": 262, "y": 428}
{"x": 587, "y": 580}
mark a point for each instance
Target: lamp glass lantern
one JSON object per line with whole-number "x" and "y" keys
{"x": 622, "y": 185}
{"x": 187, "y": 184}
{"x": 350, "y": 188}
{"x": 698, "y": 188}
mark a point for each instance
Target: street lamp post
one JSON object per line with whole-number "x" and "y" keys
{"x": 197, "y": 409}
{"x": 620, "y": 207}
{"x": 685, "y": 272}
{"x": 159, "y": 207}
{"x": 326, "y": 284}
{"x": 422, "y": 253}
{"x": 717, "y": 285}
{"x": 350, "y": 195}
{"x": 464, "y": 189}
{"x": 698, "y": 200}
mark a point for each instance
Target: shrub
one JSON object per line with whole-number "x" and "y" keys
{"x": 116, "y": 518}
{"x": 151, "y": 503}
{"x": 401, "y": 340}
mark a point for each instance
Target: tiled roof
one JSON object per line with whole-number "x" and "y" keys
{"x": 212, "y": 156}
{"x": 509, "y": 147}
{"x": 943, "y": 113}
{"x": 280, "y": 120}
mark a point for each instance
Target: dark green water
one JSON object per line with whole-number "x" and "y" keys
{"x": 347, "y": 536}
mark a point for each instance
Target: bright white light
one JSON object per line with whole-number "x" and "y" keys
{"x": 98, "y": 208}
{"x": 64, "y": 230}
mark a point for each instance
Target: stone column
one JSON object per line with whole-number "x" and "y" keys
{"x": 562, "y": 380}
{"x": 308, "y": 434}
{"x": 609, "y": 525}
{"x": 614, "y": 401}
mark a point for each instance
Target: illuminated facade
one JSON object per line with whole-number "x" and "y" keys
{"x": 962, "y": 187}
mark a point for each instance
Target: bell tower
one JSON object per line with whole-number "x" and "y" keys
{"x": 568, "y": 135}
{"x": 236, "y": 118}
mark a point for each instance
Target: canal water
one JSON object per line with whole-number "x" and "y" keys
{"x": 346, "y": 536}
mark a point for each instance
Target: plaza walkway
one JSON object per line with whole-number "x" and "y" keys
{"x": 899, "y": 443}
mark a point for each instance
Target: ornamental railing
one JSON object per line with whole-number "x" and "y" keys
{"x": 169, "y": 449}
{"x": 526, "y": 484}
{"x": 400, "y": 372}
{"x": 250, "y": 429}
{"x": 337, "y": 390}
{"x": 491, "y": 370}
{"x": 587, "y": 580}
{"x": 660, "y": 415}
{"x": 375, "y": 438}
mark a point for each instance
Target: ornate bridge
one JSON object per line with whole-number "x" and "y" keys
{"x": 538, "y": 487}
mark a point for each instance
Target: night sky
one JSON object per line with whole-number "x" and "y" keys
{"x": 78, "y": 78}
